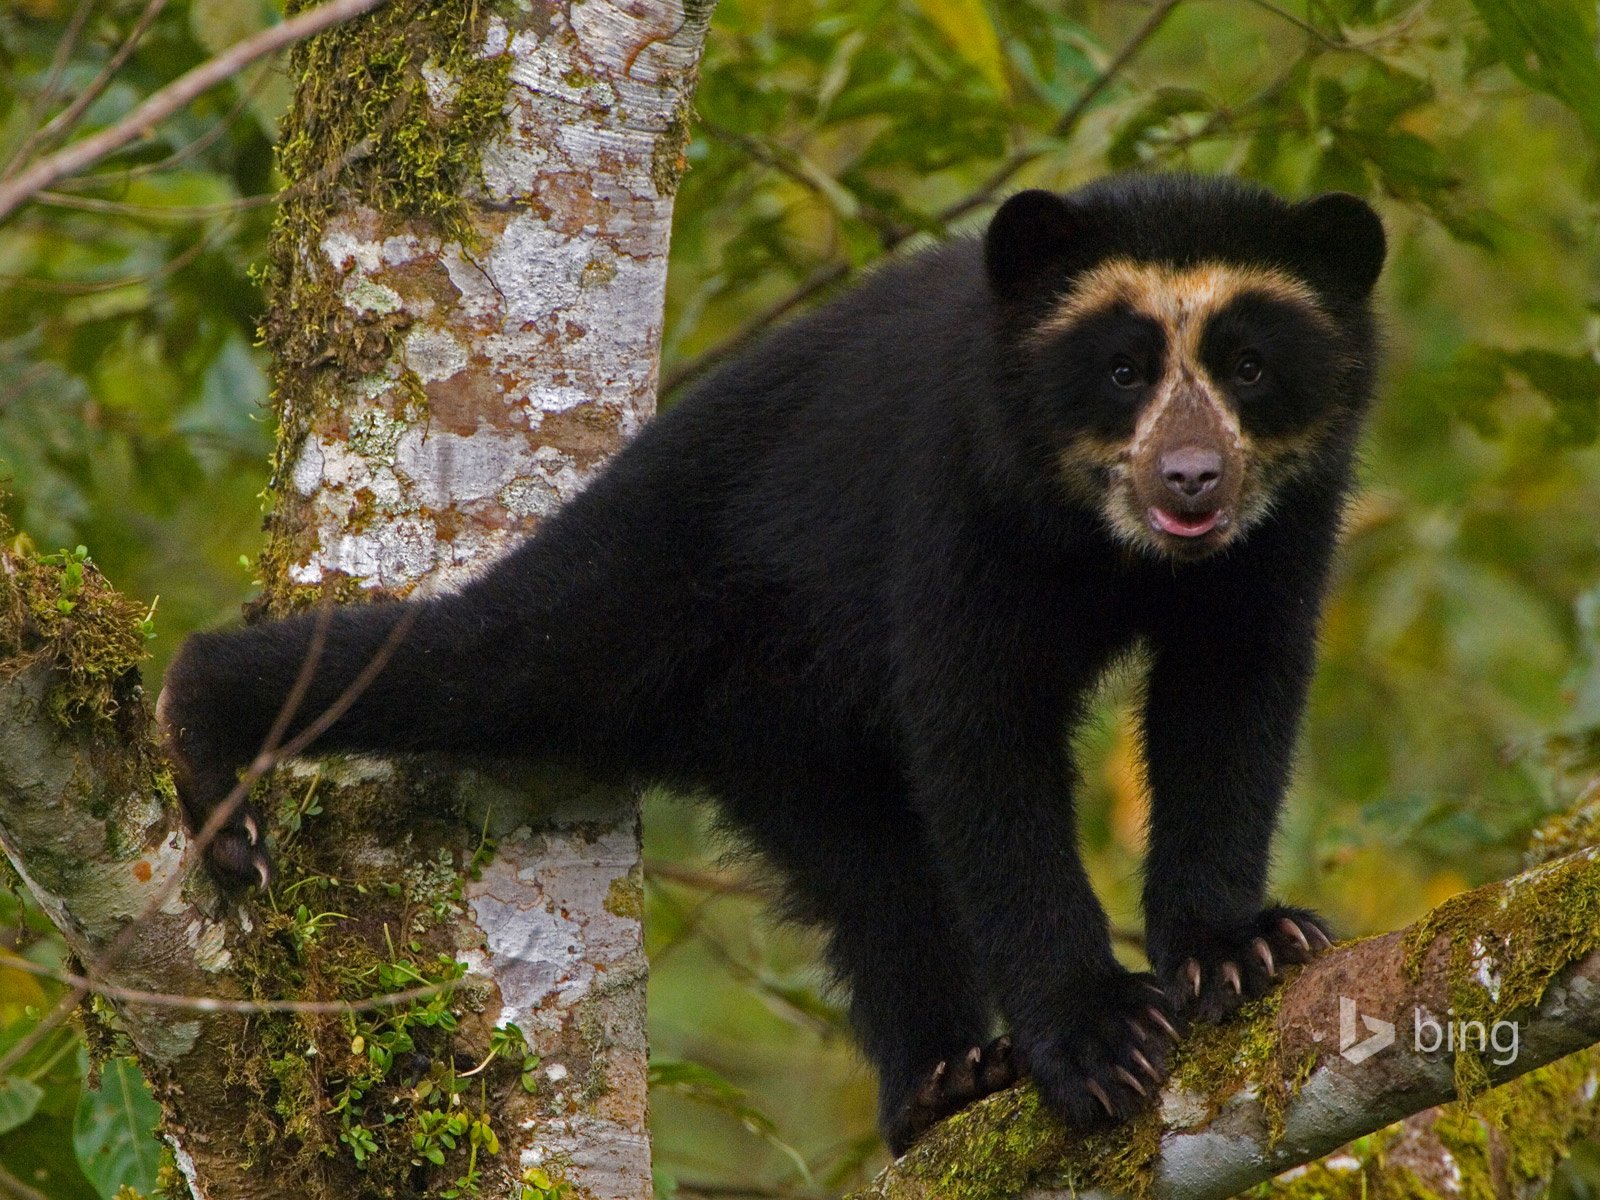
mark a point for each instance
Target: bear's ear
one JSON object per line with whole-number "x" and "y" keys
{"x": 1034, "y": 240}
{"x": 1338, "y": 241}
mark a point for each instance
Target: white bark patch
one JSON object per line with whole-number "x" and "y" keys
{"x": 476, "y": 294}
{"x": 363, "y": 295}
{"x": 541, "y": 906}
{"x": 308, "y": 467}
{"x": 209, "y": 942}
{"x": 536, "y": 268}
{"x": 442, "y": 87}
{"x": 434, "y": 355}
{"x": 530, "y": 498}
{"x": 448, "y": 468}
{"x": 185, "y": 1164}
{"x": 506, "y": 165}
{"x": 347, "y": 251}
{"x": 1483, "y": 971}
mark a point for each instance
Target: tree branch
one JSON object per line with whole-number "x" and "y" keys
{"x": 67, "y": 119}
{"x": 1272, "y": 1090}
{"x": 174, "y": 96}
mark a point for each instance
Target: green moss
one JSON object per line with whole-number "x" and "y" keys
{"x": 1506, "y": 942}
{"x": 342, "y": 1098}
{"x": 1002, "y": 1146}
{"x": 59, "y": 609}
{"x": 1007, "y": 1143}
{"x": 395, "y": 107}
{"x": 1567, "y": 832}
{"x": 989, "y": 1151}
{"x": 1514, "y": 1152}
{"x": 597, "y": 274}
{"x": 1217, "y": 1061}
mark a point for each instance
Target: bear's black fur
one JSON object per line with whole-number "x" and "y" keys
{"x": 842, "y": 589}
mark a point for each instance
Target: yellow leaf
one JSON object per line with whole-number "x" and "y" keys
{"x": 18, "y": 989}
{"x": 966, "y": 25}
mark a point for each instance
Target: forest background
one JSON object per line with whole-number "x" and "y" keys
{"x": 1458, "y": 705}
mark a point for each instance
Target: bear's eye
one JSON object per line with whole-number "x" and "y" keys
{"x": 1124, "y": 374}
{"x": 1249, "y": 369}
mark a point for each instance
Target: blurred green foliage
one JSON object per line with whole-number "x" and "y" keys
{"x": 1459, "y": 700}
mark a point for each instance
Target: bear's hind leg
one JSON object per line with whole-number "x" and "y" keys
{"x": 864, "y": 874}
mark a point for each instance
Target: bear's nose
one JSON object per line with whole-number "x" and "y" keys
{"x": 1191, "y": 471}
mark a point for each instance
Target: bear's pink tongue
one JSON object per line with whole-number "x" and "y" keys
{"x": 1184, "y": 526}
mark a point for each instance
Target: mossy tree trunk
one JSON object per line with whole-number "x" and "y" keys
{"x": 88, "y": 819}
{"x": 465, "y": 309}
{"x": 464, "y": 313}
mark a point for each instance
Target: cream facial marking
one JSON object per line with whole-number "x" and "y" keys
{"x": 1180, "y": 299}
{"x": 1185, "y": 407}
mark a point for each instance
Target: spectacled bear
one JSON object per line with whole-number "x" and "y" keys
{"x": 860, "y": 585}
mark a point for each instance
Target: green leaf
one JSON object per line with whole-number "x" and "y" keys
{"x": 114, "y": 1134}
{"x": 969, "y": 29}
{"x": 36, "y": 1152}
{"x": 1470, "y": 385}
{"x": 1167, "y": 103}
{"x": 1549, "y": 45}
{"x": 1410, "y": 165}
{"x": 702, "y": 1085}
{"x": 1571, "y": 383}
{"x": 19, "y": 1100}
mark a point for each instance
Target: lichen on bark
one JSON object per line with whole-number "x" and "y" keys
{"x": 1457, "y": 1152}
{"x": 391, "y": 117}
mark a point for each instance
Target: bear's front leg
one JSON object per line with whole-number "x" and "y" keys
{"x": 1222, "y": 711}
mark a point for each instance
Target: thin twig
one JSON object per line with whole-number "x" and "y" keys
{"x": 65, "y": 120}
{"x": 95, "y": 287}
{"x": 819, "y": 280}
{"x": 211, "y": 1004}
{"x": 183, "y": 153}
{"x": 47, "y": 93}
{"x": 160, "y": 212}
{"x": 1067, "y": 126}
{"x": 168, "y": 100}
{"x": 702, "y": 880}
